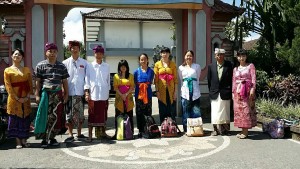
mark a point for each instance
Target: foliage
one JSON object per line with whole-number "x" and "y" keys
{"x": 261, "y": 82}
{"x": 67, "y": 52}
{"x": 273, "y": 109}
{"x": 284, "y": 89}
{"x": 173, "y": 28}
{"x": 260, "y": 56}
{"x": 230, "y": 29}
{"x": 291, "y": 55}
{"x": 275, "y": 21}
{"x": 269, "y": 107}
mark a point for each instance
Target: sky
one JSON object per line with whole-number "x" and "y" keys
{"x": 74, "y": 30}
{"x": 73, "y": 24}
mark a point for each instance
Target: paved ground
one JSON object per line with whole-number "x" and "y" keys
{"x": 259, "y": 151}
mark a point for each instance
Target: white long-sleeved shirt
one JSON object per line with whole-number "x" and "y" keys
{"x": 77, "y": 70}
{"x": 193, "y": 72}
{"x": 98, "y": 81}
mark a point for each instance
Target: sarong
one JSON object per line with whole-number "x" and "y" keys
{"x": 75, "y": 114}
{"x": 220, "y": 111}
{"x": 97, "y": 113}
{"x": 18, "y": 127}
{"x": 55, "y": 118}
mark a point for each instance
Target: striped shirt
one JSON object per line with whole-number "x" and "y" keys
{"x": 51, "y": 75}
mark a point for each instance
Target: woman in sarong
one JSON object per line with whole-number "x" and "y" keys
{"x": 143, "y": 78}
{"x": 166, "y": 85}
{"x": 189, "y": 75}
{"x": 243, "y": 89}
{"x": 124, "y": 86}
{"x": 18, "y": 83}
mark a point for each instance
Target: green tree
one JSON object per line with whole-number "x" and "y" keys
{"x": 275, "y": 21}
{"x": 291, "y": 55}
{"x": 230, "y": 29}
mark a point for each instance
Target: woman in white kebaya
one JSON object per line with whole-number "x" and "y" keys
{"x": 189, "y": 75}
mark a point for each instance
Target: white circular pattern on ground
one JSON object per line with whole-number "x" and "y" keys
{"x": 146, "y": 151}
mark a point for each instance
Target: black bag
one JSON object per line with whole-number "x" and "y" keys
{"x": 151, "y": 128}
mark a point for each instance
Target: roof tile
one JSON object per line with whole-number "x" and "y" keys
{"x": 11, "y": 2}
{"x": 227, "y": 8}
{"x": 130, "y": 14}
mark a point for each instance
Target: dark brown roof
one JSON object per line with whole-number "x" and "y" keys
{"x": 223, "y": 7}
{"x": 11, "y": 2}
{"x": 130, "y": 14}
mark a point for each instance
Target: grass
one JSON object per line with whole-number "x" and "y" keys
{"x": 273, "y": 109}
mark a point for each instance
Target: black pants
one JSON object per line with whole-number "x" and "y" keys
{"x": 142, "y": 110}
{"x": 168, "y": 110}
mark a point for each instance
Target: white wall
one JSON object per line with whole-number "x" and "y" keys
{"x": 122, "y": 34}
{"x": 157, "y": 33}
{"x": 114, "y": 60}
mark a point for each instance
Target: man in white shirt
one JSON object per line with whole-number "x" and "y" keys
{"x": 97, "y": 92}
{"x": 77, "y": 69}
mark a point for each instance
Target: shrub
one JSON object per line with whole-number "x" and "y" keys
{"x": 285, "y": 89}
{"x": 261, "y": 82}
{"x": 272, "y": 108}
{"x": 269, "y": 107}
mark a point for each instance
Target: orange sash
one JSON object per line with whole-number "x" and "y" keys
{"x": 143, "y": 94}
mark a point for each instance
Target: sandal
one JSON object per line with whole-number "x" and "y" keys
{"x": 238, "y": 135}
{"x": 242, "y": 136}
{"x": 19, "y": 147}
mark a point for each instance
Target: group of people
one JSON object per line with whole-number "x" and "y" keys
{"x": 61, "y": 88}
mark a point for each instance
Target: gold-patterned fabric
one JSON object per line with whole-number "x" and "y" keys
{"x": 11, "y": 76}
{"x": 118, "y": 101}
{"x": 162, "y": 84}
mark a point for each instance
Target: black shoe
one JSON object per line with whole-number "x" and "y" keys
{"x": 226, "y": 133}
{"x": 140, "y": 135}
{"x": 53, "y": 142}
{"x": 114, "y": 137}
{"x": 44, "y": 144}
{"x": 81, "y": 136}
{"x": 69, "y": 139}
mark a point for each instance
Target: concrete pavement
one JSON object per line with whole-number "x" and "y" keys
{"x": 259, "y": 151}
